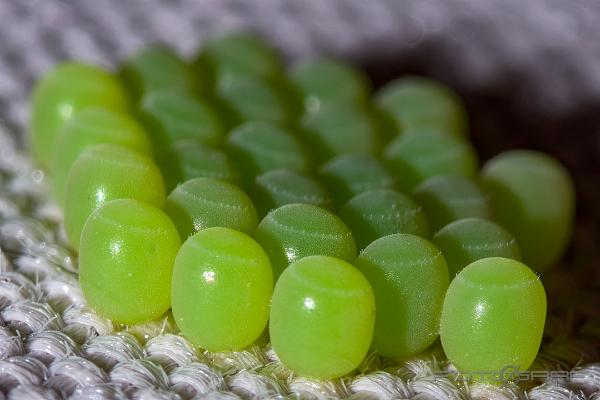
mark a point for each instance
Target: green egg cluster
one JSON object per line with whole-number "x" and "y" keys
{"x": 256, "y": 200}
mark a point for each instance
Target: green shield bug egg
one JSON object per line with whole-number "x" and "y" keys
{"x": 202, "y": 203}
{"x": 447, "y": 198}
{"x": 416, "y": 104}
{"x": 87, "y": 128}
{"x": 532, "y": 196}
{"x": 409, "y": 278}
{"x": 62, "y": 93}
{"x": 279, "y": 187}
{"x": 222, "y": 285}
{"x": 322, "y": 316}
{"x": 350, "y": 174}
{"x": 107, "y": 172}
{"x": 381, "y": 212}
{"x": 467, "y": 240}
{"x": 493, "y": 316}
{"x": 293, "y": 231}
{"x": 415, "y": 158}
{"x": 126, "y": 261}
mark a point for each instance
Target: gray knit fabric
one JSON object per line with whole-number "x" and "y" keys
{"x": 53, "y": 346}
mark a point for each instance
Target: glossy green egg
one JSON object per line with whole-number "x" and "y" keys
{"x": 338, "y": 129}
{"x": 381, "y": 212}
{"x": 533, "y": 197}
{"x": 222, "y": 285}
{"x": 258, "y": 147}
{"x": 202, "y": 203}
{"x": 409, "y": 278}
{"x": 171, "y": 115}
{"x": 279, "y": 187}
{"x": 493, "y": 317}
{"x": 415, "y": 158}
{"x": 107, "y": 172}
{"x": 253, "y": 99}
{"x": 294, "y": 231}
{"x": 155, "y": 68}
{"x": 448, "y": 198}
{"x": 468, "y": 240}
{"x": 326, "y": 81}
{"x": 322, "y": 316}
{"x": 62, "y": 93}
{"x": 89, "y": 127}
{"x": 238, "y": 54}
{"x": 188, "y": 159}
{"x": 126, "y": 261}
{"x": 415, "y": 104}
{"x": 350, "y": 174}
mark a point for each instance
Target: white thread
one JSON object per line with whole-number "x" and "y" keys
{"x": 10, "y": 344}
{"x": 170, "y": 351}
{"x": 103, "y": 391}
{"x": 132, "y": 375}
{"x": 82, "y": 323}
{"x": 554, "y": 392}
{"x": 29, "y": 316}
{"x": 48, "y": 346}
{"x": 154, "y": 394}
{"x": 109, "y": 350}
{"x": 62, "y": 293}
{"x": 21, "y": 370}
{"x": 483, "y": 391}
{"x": 249, "y": 385}
{"x": 70, "y": 373}
{"x": 32, "y": 392}
{"x": 250, "y": 358}
{"x": 437, "y": 388}
{"x": 586, "y": 378}
{"x": 319, "y": 390}
{"x": 381, "y": 385}
{"x": 195, "y": 379}
{"x": 15, "y": 287}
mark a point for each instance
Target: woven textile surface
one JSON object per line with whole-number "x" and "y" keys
{"x": 536, "y": 61}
